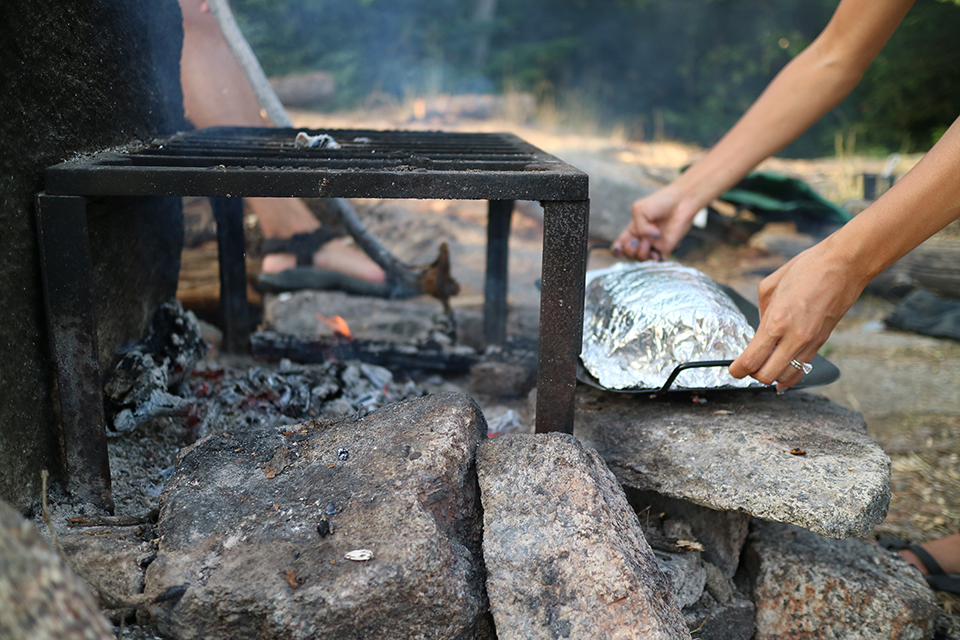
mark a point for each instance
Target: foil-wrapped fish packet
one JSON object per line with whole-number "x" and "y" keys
{"x": 641, "y": 320}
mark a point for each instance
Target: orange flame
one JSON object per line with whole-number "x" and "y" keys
{"x": 338, "y": 324}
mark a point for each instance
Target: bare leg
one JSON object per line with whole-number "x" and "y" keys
{"x": 285, "y": 217}
{"x": 946, "y": 551}
{"x": 215, "y": 92}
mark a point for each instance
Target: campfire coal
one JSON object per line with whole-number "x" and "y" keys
{"x": 156, "y": 378}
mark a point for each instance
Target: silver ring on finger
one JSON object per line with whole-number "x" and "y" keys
{"x": 806, "y": 367}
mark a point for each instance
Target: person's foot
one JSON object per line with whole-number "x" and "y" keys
{"x": 946, "y": 551}
{"x": 335, "y": 255}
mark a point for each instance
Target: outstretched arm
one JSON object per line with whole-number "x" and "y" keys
{"x": 802, "y": 302}
{"x": 806, "y": 89}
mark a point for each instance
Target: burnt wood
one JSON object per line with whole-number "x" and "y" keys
{"x": 270, "y": 345}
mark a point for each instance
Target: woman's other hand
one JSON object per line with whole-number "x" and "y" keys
{"x": 658, "y": 223}
{"x": 800, "y": 304}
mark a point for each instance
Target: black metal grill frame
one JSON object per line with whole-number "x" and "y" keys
{"x": 243, "y": 162}
{"x": 228, "y": 163}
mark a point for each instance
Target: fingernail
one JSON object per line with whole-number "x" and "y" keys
{"x": 654, "y": 234}
{"x": 615, "y": 250}
{"x": 634, "y": 243}
{"x": 780, "y": 390}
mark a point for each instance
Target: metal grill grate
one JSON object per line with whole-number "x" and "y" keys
{"x": 239, "y": 161}
{"x": 228, "y": 163}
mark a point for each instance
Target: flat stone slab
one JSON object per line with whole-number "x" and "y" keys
{"x": 367, "y": 527}
{"x": 564, "y": 552}
{"x": 795, "y": 458}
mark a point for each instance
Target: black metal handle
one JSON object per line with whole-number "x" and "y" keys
{"x": 655, "y": 253}
{"x": 690, "y": 365}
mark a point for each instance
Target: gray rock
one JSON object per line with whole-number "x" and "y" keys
{"x": 710, "y": 619}
{"x": 502, "y": 379}
{"x": 256, "y": 524}
{"x": 719, "y": 586}
{"x": 40, "y": 597}
{"x": 686, "y": 573}
{"x": 300, "y": 314}
{"x": 113, "y": 558}
{"x": 565, "y": 554}
{"x": 806, "y": 586}
{"x": 733, "y": 453}
{"x": 723, "y": 611}
{"x": 722, "y": 533}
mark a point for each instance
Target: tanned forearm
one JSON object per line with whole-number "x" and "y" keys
{"x": 806, "y": 89}
{"x": 920, "y": 204}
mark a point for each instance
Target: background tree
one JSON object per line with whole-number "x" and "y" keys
{"x": 685, "y": 69}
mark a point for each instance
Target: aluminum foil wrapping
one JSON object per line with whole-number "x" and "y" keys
{"x": 641, "y": 320}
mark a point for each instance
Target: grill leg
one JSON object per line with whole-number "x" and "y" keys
{"x": 231, "y": 250}
{"x": 498, "y": 254}
{"x": 68, "y": 295}
{"x": 565, "y": 226}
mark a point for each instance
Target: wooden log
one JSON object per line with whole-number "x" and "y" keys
{"x": 392, "y": 355}
{"x": 934, "y": 265}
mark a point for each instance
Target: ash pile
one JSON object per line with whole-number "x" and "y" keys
{"x": 167, "y": 392}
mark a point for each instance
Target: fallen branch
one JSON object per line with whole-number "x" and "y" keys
{"x": 433, "y": 280}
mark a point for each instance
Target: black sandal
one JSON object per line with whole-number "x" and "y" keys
{"x": 305, "y": 276}
{"x": 935, "y": 576}
{"x": 302, "y": 245}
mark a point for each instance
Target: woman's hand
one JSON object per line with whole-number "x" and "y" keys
{"x": 800, "y": 304}
{"x": 659, "y": 221}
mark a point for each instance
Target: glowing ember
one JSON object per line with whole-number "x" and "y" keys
{"x": 338, "y": 324}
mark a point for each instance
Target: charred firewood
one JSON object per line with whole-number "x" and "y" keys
{"x": 274, "y": 346}
{"x": 433, "y": 280}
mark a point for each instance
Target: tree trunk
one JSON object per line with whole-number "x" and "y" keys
{"x": 483, "y": 14}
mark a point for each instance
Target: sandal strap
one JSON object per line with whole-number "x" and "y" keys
{"x": 302, "y": 245}
{"x": 933, "y": 567}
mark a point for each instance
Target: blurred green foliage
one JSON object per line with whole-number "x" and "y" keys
{"x": 684, "y": 69}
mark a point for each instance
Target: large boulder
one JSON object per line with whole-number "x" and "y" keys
{"x": 78, "y": 77}
{"x": 368, "y": 527}
{"x": 795, "y": 458}
{"x": 565, "y": 554}
{"x": 807, "y": 586}
{"x": 41, "y": 598}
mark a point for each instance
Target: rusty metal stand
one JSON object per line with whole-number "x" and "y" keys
{"x": 67, "y": 282}
{"x": 565, "y": 226}
{"x": 231, "y": 252}
{"x": 499, "y": 213}
{"x": 230, "y": 163}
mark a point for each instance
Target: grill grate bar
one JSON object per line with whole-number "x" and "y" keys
{"x": 352, "y": 162}
{"x": 274, "y": 140}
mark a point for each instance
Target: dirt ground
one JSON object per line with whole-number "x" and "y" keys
{"x": 907, "y": 386}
